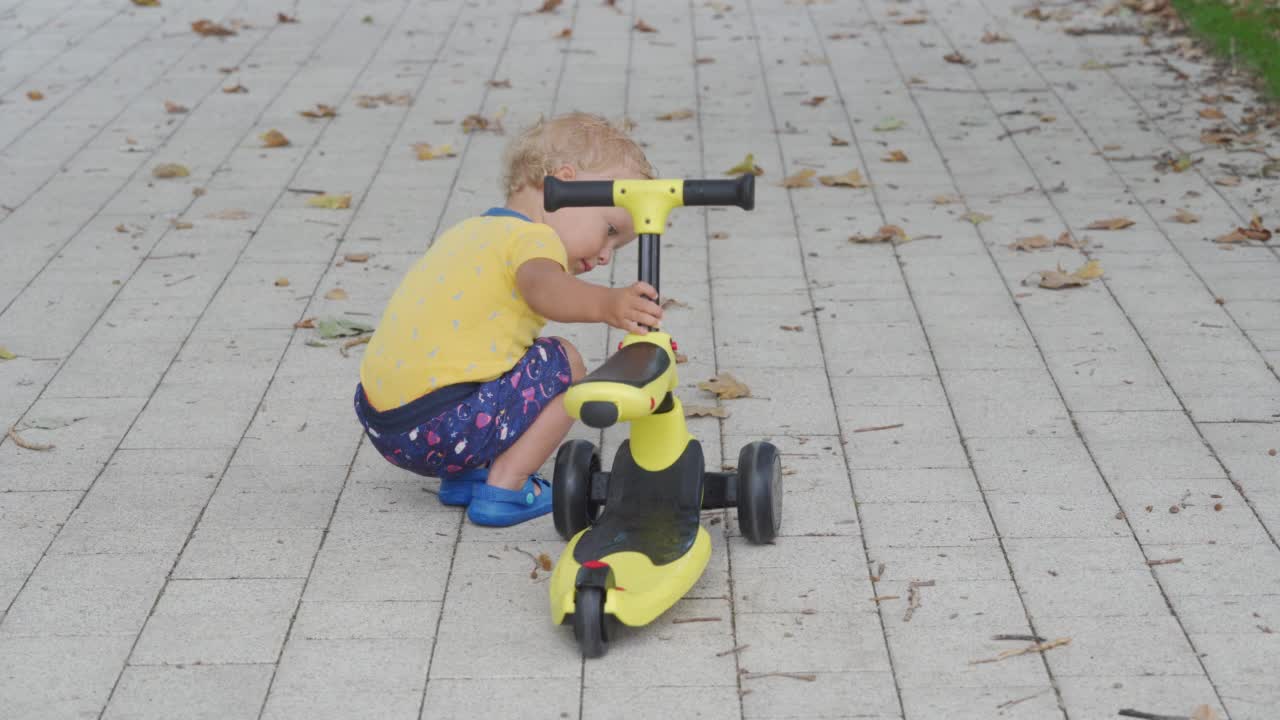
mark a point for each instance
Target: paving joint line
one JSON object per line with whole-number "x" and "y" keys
{"x": 817, "y": 321}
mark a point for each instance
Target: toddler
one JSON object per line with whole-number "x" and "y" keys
{"x": 456, "y": 382}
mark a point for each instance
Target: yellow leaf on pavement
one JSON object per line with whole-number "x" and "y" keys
{"x": 682, "y": 114}
{"x": 1117, "y": 223}
{"x": 895, "y": 156}
{"x": 748, "y": 165}
{"x": 170, "y": 170}
{"x": 1091, "y": 270}
{"x": 425, "y": 151}
{"x": 331, "y": 202}
{"x": 1186, "y": 217}
{"x": 336, "y": 294}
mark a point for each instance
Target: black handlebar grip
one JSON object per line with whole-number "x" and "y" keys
{"x": 740, "y": 192}
{"x": 558, "y": 193}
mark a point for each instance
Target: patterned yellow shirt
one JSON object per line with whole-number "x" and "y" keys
{"x": 457, "y": 315}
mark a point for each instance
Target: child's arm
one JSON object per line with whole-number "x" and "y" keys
{"x": 557, "y": 295}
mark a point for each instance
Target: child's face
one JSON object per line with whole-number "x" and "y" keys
{"x": 592, "y": 234}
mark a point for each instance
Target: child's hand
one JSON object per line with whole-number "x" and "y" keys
{"x": 633, "y": 308}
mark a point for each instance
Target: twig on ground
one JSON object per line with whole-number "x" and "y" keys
{"x": 1011, "y": 703}
{"x": 1022, "y": 638}
{"x": 875, "y": 428}
{"x": 678, "y": 621}
{"x": 807, "y": 677}
{"x": 733, "y": 650}
{"x": 1038, "y": 647}
{"x": 1149, "y": 716}
{"x": 1169, "y": 561}
{"x": 913, "y": 597}
{"x": 1019, "y": 131}
{"x": 27, "y": 444}
{"x": 881, "y": 598}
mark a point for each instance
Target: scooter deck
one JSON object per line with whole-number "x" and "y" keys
{"x": 647, "y": 549}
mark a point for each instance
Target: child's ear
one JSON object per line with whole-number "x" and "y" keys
{"x": 565, "y": 172}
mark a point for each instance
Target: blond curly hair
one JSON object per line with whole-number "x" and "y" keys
{"x": 587, "y": 142}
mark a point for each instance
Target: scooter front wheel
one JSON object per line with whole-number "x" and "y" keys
{"x": 759, "y": 492}
{"x": 589, "y": 621}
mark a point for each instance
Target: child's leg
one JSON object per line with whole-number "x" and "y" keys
{"x": 512, "y": 468}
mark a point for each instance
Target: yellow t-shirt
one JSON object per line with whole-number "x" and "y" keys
{"x": 457, "y": 315}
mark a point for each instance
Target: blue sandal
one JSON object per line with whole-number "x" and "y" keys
{"x": 496, "y": 507}
{"x": 455, "y": 489}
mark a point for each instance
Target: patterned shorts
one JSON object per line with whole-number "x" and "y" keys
{"x": 480, "y": 426}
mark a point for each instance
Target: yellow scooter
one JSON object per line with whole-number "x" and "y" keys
{"x": 636, "y": 545}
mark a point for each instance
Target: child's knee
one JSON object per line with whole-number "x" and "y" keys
{"x": 576, "y": 366}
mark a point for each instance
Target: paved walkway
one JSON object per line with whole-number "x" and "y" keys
{"x": 210, "y": 538}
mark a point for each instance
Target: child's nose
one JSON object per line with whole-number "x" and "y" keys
{"x": 605, "y": 255}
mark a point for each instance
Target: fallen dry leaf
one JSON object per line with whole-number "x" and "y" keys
{"x": 945, "y": 199}
{"x": 913, "y": 20}
{"x": 670, "y": 302}
{"x": 726, "y": 386}
{"x": 544, "y": 562}
{"x": 5, "y": 354}
{"x": 895, "y": 156}
{"x": 181, "y": 225}
{"x": 426, "y": 152}
{"x": 1228, "y": 181}
{"x": 887, "y": 233}
{"x": 273, "y": 139}
{"x": 851, "y": 179}
{"x": 306, "y": 324}
{"x": 956, "y": 58}
{"x": 748, "y": 165}
{"x": 147, "y": 3}
{"x": 1255, "y": 231}
{"x": 564, "y": 34}
{"x": 802, "y": 179}
{"x": 235, "y": 89}
{"x": 1059, "y": 278}
{"x": 479, "y": 123}
{"x": 1117, "y": 223}
{"x": 336, "y": 294}
{"x": 815, "y": 101}
{"x": 1065, "y": 240}
{"x": 321, "y": 111}
{"x": 792, "y": 328}
{"x": 1186, "y": 217}
{"x": 499, "y": 84}
{"x": 975, "y": 217}
{"x": 209, "y": 28}
{"x": 682, "y": 114}
{"x": 282, "y": 282}
{"x": 703, "y": 60}
{"x": 286, "y": 19}
{"x": 174, "y": 108}
{"x": 370, "y": 102}
{"x": 170, "y": 170}
{"x": 549, "y": 6}
{"x": 229, "y": 214}
{"x": 705, "y": 411}
{"x": 838, "y": 142}
{"x": 1212, "y": 113}
{"x": 1204, "y": 712}
{"x": 888, "y": 124}
{"x": 35, "y": 95}
{"x": 990, "y": 37}
{"x": 331, "y": 202}
{"x": 644, "y": 27}
{"x": 1035, "y": 242}
{"x": 356, "y": 257}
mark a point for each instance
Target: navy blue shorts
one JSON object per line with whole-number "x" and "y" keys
{"x": 460, "y": 427}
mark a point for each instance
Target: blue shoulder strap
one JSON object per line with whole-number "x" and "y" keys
{"x": 505, "y": 212}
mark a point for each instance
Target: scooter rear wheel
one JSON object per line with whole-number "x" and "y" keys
{"x": 571, "y": 508}
{"x": 759, "y": 492}
{"x": 589, "y": 621}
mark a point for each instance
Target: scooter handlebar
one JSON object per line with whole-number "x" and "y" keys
{"x": 740, "y": 192}
{"x": 558, "y": 193}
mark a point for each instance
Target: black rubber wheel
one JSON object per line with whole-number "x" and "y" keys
{"x": 571, "y": 506}
{"x": 589, "y": 622}
{"x": 759, "y": 492}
